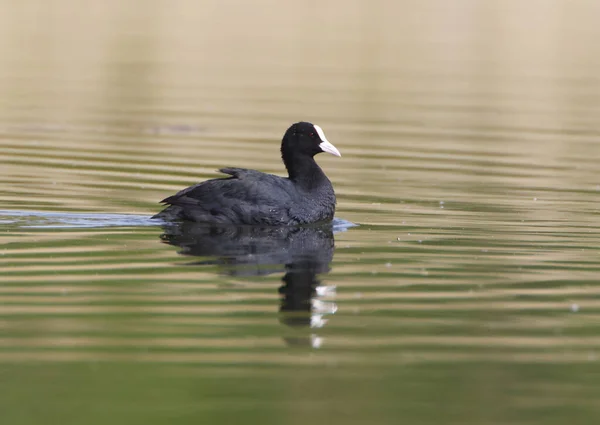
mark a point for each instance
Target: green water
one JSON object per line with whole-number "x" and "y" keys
{"x": 467, "y": 294}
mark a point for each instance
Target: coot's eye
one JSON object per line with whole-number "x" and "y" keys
{"x": 312, "y": 135}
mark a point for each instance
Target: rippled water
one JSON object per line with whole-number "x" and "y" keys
{"x": 466, "y": 293}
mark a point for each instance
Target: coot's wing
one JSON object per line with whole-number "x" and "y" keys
{"x": 247, "y": 197}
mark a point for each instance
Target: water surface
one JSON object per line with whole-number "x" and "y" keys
{"x": 467, "y": 294}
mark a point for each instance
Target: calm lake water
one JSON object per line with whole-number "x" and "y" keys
{"x": 467, "y": 294}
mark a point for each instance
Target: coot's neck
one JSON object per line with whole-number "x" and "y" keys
{"x": 305, "y": 172}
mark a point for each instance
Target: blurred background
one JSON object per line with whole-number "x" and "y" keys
{"x": 470, "y": 139}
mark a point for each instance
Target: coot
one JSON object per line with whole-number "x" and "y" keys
{"x": 255, "y": 198}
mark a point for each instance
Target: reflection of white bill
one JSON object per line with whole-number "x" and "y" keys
{"x": 316, "y": 341}
{"x": 325, "y": 290}
{"x": 323, "y": 307}
{"x": 320, "y": 309}
{"x": 317, "y": 321}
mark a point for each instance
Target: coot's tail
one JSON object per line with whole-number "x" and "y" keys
{"x": 171, "y": 213}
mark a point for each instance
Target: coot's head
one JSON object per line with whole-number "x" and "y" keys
{"x": 306, "y": 138}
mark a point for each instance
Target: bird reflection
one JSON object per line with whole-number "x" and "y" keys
{"x": 302, "y": 253}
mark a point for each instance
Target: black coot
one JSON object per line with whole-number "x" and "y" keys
{"x": 252, "y": 197}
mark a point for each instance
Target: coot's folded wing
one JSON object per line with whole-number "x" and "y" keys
{"x": 248, "y": 196}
